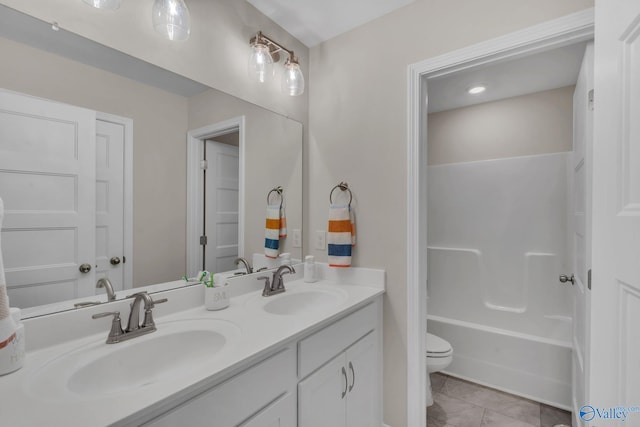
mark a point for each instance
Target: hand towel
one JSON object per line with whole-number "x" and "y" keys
{"x": 272, "y": 231}
{"x": 341, "y": 236}
{"x": 8, "y": 326}
{"x": 283, "y": 223}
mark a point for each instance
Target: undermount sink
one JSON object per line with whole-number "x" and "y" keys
{"x": 302, "y": 301}
{"x": 101, "y": 369}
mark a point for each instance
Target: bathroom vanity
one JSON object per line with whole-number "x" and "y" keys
{"x": 311, "y": 356}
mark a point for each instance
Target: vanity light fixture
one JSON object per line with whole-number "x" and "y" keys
{"x": 104, "y": 4}
{"x": 475, "y": 90}
{"x": 264, "y": 52}
{"x": 171, "y": 19}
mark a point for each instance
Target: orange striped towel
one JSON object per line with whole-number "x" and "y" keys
{"x": 272, "y": 232}
{"x": 341, "y": 236}
{"x": 283, "y": 223}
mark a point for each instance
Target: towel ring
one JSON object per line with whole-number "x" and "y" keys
{"x": 344, "y": 187}
{"x": 277, "y": 190}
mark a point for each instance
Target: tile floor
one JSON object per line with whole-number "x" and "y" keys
{"x": 461, "y": 403}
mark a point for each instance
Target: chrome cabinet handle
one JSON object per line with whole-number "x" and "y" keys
{"x": 564, "y": 279}
{"x": 346, "y": 382}
{"x": 353, "y": 377}
{"x": 115, "y": 260}
{"x": 85, "y": 268}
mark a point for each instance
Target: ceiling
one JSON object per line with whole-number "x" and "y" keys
{"x": 315, "y": 21}
{"x": 546, "y": 70}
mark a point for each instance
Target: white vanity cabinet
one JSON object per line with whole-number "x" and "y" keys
{"x": 345, "y": 389}
{"x": 261, "y": 396}
{"x": 337, "y": 371}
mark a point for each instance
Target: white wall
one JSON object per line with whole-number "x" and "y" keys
{"x": 357, "y": 133}
{"x": 531, "y": 124}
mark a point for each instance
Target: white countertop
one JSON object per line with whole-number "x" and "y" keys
{"x": 258, "y": 334}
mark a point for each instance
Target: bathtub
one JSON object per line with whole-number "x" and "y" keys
{"x": 497, "y": 242}
{"x": 525, "y": 365}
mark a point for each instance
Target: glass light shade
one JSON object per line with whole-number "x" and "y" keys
{"x": 292, "y": 79}
{"x": 104, "y": 4}
{"x": 260, "y": 63}
{"x": 171, "y": 19}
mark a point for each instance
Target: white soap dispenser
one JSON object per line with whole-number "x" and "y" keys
{"x": 310, "y": 269}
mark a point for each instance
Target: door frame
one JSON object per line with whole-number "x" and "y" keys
{"x": 127, "y": 124}
{"x": 194, "y": 184}
{"x": 562, "y": 31}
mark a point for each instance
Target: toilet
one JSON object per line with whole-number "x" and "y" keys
{"x": 439, "y": 353}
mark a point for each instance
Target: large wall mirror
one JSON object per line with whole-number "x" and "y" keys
{"x": 103, "y": 169}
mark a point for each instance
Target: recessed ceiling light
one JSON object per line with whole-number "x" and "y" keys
{"x": 476, "y": 89}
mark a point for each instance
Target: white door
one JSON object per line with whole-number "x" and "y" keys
{"x": 321, "y": 396}
{"x": 110, "y": 202}
{"x": 47, "y": 182}
{"x": 615, "y": 294}
{"x": 581, "y": 233}
{"x": 221, "y": 206}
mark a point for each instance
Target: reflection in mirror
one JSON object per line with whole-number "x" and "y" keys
{"x": 121, "y": 207}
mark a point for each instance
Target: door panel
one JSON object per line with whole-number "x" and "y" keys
{"x": 110, "y": 202}
{"x": 615, "y": 308}
{"x": 581, "y": 236}
{"x": 47, "y": 182}
{"x": 361, "y": 370}
{"x": 221, "y": 199}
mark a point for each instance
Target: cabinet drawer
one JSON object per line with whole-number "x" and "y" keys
{"x": 236, "y": 400}
{"x": 281, "y": 413}
{"x": 322, "y": 346}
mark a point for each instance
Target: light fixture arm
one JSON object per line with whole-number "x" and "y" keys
{"x": 274, "y": 47}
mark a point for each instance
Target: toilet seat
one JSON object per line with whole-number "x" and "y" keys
{"x": 437, "y": 347}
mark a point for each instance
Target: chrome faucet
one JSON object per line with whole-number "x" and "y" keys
{"x": 134, "y": 316}
{"x": 246, "y": 264}
{"x": 277, "y": 283}
{"x": 108, "y": 287}
{"x": 134, "y": 328}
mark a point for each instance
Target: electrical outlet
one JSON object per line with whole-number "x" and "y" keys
{"x": 321, "y": 239}
{"x": 297, "y": 238}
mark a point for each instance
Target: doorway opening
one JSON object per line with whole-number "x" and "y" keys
{"x": 565, "y": 31}
{"x": 215, "y": 196}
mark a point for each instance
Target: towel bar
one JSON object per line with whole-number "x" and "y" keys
{"x": 344, "y": 187}
{"x": 277, "y": 190}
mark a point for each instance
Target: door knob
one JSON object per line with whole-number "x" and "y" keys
{"x": 564, "y": 279}
{"x": 85, "y": 268}
{"x": 115, "y": 260}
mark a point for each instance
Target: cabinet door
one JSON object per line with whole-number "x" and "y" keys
{"x": 322, "y": 396}
{"x": 361, "y": 362}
